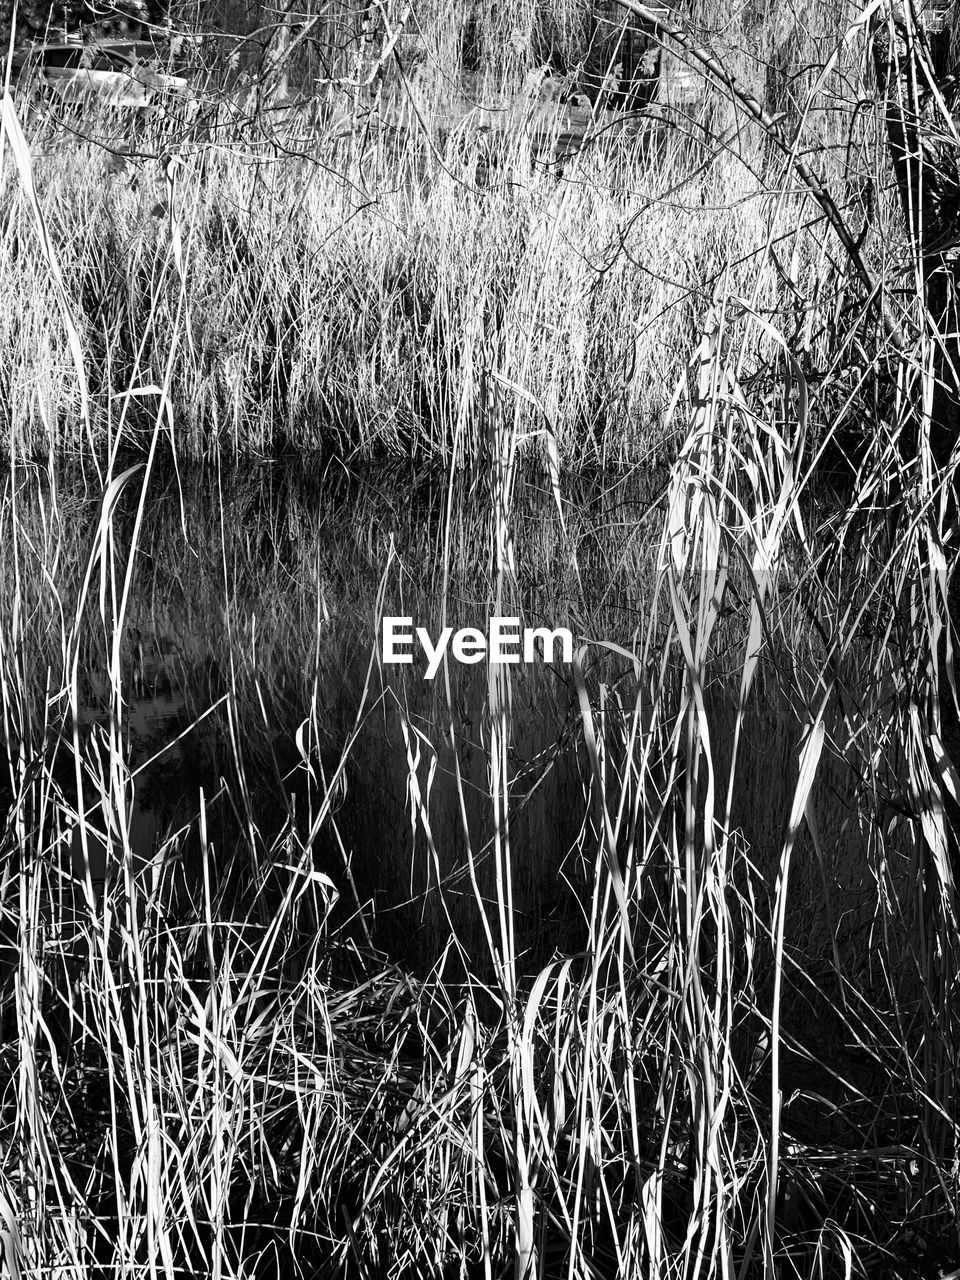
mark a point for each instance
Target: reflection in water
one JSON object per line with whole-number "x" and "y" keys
{"x": 107, "y": 823}
{"x": 257, "y": 594}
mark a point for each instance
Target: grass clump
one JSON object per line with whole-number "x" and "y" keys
{"x": 640, "y": 965}
{"x": 300, "y": 312}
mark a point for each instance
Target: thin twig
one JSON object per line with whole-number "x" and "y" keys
{"x": 743, "y": 98}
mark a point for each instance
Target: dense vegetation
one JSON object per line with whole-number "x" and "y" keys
{"x": 642, "y": 966}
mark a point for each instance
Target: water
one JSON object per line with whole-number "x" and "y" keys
{"x": 249, "y": 660}
{"x": 152, "y": 776}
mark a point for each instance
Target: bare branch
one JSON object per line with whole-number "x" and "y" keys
{"x": 711, "y": 65}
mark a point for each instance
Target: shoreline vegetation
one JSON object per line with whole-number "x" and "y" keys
{"x": 639, "y": 964}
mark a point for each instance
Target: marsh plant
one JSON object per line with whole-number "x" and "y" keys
{"x": 637, "y": 964}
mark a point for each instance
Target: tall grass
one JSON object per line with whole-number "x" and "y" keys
{"x": 328, "y": 1024}
{"x": 305, "y": 312}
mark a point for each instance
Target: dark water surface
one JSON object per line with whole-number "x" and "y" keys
{"x": 248, "y": 663}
